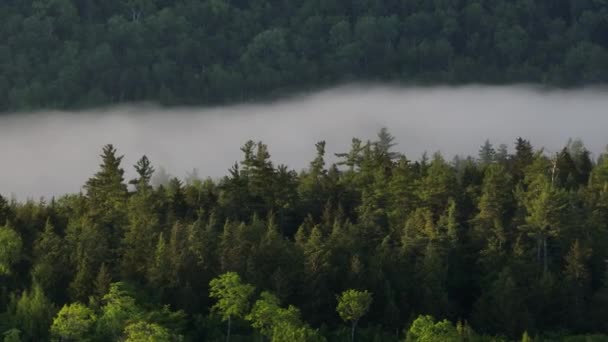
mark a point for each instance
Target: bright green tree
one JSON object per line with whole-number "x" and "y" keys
{"x": 232, "y": 297}
{"x": 119, "y": 308}
{"x": 74, "y": 322}
{"x": 277, "y": 323}
{"x": 426, "y": 329}
{"x": 146, "y": 332}
{"x": 352, "y": 305}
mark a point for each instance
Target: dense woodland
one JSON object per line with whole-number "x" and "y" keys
{"x": 68, "y": 53}
{"x": 375, "y": 247}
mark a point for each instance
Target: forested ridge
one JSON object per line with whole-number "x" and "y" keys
{"x": 69, "y": 54}
{"x": 375, "y": 247}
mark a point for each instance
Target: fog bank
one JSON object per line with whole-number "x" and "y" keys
{"x": 46, "y": 153}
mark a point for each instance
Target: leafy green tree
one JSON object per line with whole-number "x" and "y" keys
{"x": 74, "y": 322}
{"x": 144, "y": 332}
{"x": 426, "y": 329}
{"x": 119, "y": 308}
{"x": 277, "y": 323}
{"x": 232, "y": 297}
{"x": 352, "y": 305}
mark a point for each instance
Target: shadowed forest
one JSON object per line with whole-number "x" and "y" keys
{"x": 68, "y": 54}
{"x": 366, "y": 245}
{"x": 376, "y": 247}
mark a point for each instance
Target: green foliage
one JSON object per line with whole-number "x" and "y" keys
{"x": 10, "y": 250}
{"x": 353, "y": 304}
{"x": 146, "y": 332}
{"x": 74, "y": 322}
{"x": 34, "y": 314}
{"x": 279, "y": 324}
{"x": 511, "y": 244}
{"x": 232, "y": 297}
{"x": 426, "y": 329}
{"x": 230, "y": 51}
{"x": 12, "y": 335}
{"x": 119, "y": 308}
{"x": 231, "y": 294}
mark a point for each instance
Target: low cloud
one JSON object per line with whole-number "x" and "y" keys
{"x": 51, "y": 153}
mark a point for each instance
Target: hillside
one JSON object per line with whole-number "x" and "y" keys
{"x": 68, "y": 54}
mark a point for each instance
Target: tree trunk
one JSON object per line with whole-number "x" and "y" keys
{"x": 538, "y": 250}
{"x": 352, "y": 331}
{"x": 228, "y": 334}
{"x": 545, "y": 266}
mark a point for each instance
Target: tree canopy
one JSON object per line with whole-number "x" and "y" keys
{"x": 67, "y": 54}
{"x": 493, "y": 248}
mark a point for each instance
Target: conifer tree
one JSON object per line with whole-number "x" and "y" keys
{"x": 577, "y": 279}
{"x": 10, "y": 252}
{"x": 33, "y": 314}
{"x": 51, "y": 265}
{"x": 487, "y": 154}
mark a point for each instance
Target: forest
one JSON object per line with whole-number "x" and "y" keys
{"x": 66, "y": 54}
{"x": 503, "y": 246}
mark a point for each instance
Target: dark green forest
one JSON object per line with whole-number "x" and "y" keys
{"x": 372, "y": 247}
{"x": 73, "y": 54}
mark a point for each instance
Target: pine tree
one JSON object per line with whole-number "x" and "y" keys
{"x": 577, "y": 284}
{"x": 159, "y": 272}
{"x": 431, "y": 275}
{"x": 524, "y": 156}
{"x": 106, "y": 190}
{"x": 33, "y": 314}
{"x": 437, "y": 186}
{"x": 487, "y": 154}
{"x": 494, "y": 206}
{"x": 401, "y": 192}
{"x": 545, "y": 208}
{"x": 382, "y": 148}
{"x": 144, "y": 170}
{"x": 107, "y": 196}
{"x": 311, "y": 185}
{"x": 141, "y": 234}
{"x": 10, "y": 252}
{"x": 352, "y": 159}
{"x": 102, "y": 281}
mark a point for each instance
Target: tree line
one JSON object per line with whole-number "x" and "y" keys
{"x": 373, "y": 247}
{"x": 69, "y": 54}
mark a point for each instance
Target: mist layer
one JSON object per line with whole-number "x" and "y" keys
{"x": 52, "y": 153}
